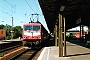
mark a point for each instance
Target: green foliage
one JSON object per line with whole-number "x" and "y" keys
{"x": 8, "y": 37}
{"x": 2, "y": 26}
{"x": 17, "y": 31}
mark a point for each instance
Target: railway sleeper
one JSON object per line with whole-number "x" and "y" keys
{"x": 12, "y": 54}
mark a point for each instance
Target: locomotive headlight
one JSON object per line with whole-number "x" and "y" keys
{"x": 24, "y": 37}
{"x": 39, "y": 37}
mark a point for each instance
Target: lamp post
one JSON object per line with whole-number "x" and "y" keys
{"x": 12, "y": 30}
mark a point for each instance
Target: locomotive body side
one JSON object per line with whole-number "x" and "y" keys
{"x": 45, "y": 34}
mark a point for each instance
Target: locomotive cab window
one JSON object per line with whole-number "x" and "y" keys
{"x": 27, "y": 27}
{"x": 36, "y": 28}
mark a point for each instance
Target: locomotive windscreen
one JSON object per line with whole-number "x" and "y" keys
{"x": 27, "y": 27}
{"x": 35, "y": 28}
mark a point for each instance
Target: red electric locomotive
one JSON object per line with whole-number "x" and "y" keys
{"x": 33, "y": 34}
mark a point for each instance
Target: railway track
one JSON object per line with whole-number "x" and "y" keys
{"x": 26, "y": 55}
{"x": 7, "y": 55}
{"x": 3, "y": 50}
{"x": 20, "y": 53}
{"x": 29, "y": 54}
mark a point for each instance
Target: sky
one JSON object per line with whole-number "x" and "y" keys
{"x": 21, "y": 11}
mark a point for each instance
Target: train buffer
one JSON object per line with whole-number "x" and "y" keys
{"x": 74, "y": 52}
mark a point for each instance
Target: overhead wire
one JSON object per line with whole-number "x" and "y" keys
{"x": 14, "y": 6}
{"x": 36, "y": 6}
{"x": 5, "y": 9}
{"x": 41, "y": 14}
{"x": 7, "y": 2}
{"x": 6, "y": 12}
{"x": 9, "y": 14}
{"x": 29, "y": 6}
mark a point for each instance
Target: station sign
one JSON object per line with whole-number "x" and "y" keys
{"x": 78, "y": 21}
{"x": 11, "y": 31}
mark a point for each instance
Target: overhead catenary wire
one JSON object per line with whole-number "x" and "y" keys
{"x": 5, "y": 9}
{"x": 40, "y": 13}
{"x": 11, "y": 14}
{"x": 37, "y": 7}
{"x": 15, "y": 6}
{"x": 29, "y": 6}
{"x": 14, "y": 12}
{"x": 7, "y": 2}
{"x": 12, "y": 6}
{"x": 14, "y": 9}
{"x": 6, "y": 12}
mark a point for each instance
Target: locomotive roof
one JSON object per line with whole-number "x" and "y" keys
{"x": 33, "y": 23}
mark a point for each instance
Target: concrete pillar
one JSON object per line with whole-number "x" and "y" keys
{"x": 55, "y": 35}
{"x": 64, "y": 39}
{"x": 60, "y": 37}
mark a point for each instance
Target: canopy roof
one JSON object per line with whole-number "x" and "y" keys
{"x": 76, "y": 12}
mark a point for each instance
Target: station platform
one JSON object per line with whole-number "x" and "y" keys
{"x": 74, "y": 52}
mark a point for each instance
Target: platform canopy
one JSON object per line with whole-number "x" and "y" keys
{"x": 76, "y": 12}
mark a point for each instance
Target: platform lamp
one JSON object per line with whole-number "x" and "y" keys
{"x": 62, "y": 8}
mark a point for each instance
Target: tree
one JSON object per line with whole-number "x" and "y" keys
{"x": 8, "y": 33}
{"x": 2, "y": 26}
{"x": 17, "y": 31}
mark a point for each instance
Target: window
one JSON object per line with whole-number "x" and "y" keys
{"x": 36, "y": 28}
{"x": 27, "y": 27}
